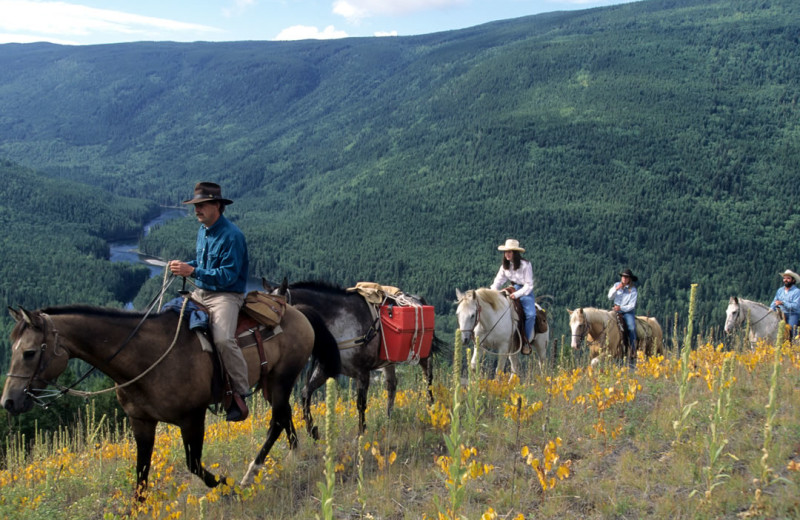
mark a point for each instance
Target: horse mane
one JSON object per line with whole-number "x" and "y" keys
{"x": 490, "y": 296}
{"x": 91, "y": 310}
{"x": 753, "y": 302}
{"x": 319, "y": 286}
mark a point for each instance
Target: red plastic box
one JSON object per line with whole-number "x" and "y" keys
{"x": 407, "y": 332}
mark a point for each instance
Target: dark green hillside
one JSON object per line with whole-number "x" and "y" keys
{"x": 659, "y": 135}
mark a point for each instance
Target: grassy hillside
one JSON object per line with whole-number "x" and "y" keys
{"x": 655, "y": 135}
{"x": 709, "y": 435}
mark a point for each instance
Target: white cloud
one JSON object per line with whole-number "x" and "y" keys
{"x": 305, "y": 32}
{"x": 385, "y": 33}
{"x": 51, "y": 20}
{"x": 356, "y": 10}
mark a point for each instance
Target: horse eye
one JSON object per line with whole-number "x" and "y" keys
{"x": 28, "y": 355}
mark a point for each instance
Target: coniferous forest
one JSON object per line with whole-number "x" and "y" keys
{"x": 661, "y": 135}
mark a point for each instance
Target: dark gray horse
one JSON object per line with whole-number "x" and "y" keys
{"x": 358, "y": 334}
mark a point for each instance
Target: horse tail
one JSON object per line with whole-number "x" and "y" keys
{"x": 440, "y": 347}
{"x": 326, "y": 350}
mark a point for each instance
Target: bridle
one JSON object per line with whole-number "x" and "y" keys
{"x": 41, "y": 366}
{"x": 61, "y": 390}
{"x": 478, "y": 319}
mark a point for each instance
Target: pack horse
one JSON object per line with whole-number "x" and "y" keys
{"x": 361, "y": 328}
{"x": 161, "y": 372}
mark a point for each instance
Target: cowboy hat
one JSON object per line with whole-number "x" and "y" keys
{"x": 206, "y": 191}
{"x": 792, "y": 274}
{"x": 629, "y": 274}
{"x": 511, "y": 245}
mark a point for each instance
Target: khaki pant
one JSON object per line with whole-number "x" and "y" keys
{"x": 223, "y": 312}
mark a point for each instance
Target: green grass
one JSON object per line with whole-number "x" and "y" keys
{"x": 632, "y": 468}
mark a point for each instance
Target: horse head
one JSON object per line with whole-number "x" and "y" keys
{"x": 468, "y": 313}
{"x": 733, "y": 315}
{"x": 578, "y": 327}
{"x": 36, "y": 359}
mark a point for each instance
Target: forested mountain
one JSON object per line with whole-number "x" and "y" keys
{"x": 661, "y": 135}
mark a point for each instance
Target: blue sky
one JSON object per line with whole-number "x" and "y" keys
{"x": 82, "y": 22}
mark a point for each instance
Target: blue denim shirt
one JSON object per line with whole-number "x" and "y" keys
{"x": 222, "y": 262}
{"x": 625, "y": 298}
{"x": 790, "y": 299}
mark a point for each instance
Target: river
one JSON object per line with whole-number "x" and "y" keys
{"x": 128, "y": 250}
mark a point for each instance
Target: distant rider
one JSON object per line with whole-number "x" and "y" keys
{"x": 787, "y": 298}
{"x": 519, "y": 272}
{"x": 624, "y": 295}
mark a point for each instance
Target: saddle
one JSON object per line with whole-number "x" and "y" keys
{"x": 541, "y": 317}
{"x": 258, "y": 322}
{"x": 541, "y": 314}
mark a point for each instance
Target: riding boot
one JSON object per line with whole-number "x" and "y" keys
{"x": 238, "y": 409}
{"x": 526, "y": 346}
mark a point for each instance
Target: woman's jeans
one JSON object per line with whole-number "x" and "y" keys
{"x": 529, "y": 306}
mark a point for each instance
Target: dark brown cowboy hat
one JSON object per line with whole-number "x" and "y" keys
{"x": 207, "y": 191}
{"x": 629, "y": 274}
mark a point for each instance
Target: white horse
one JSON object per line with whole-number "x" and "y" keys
{"x": 763, "y": 321}
{"x": 489, "y": 315}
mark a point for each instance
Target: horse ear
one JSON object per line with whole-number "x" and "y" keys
{"x": 265, "y": 284}
{"x": 569, "y": 311}
{"x": 284, "y": 286}
{"x": 459, "y": 295}
{"x": 15, "y": 314}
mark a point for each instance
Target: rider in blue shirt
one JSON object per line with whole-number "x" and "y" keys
{"x": 787, "y": 299}
{"x": 624, "y": 295}
{"x": 220, "y": 273}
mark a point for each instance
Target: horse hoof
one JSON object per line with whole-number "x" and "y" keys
{"x": 250, "y": 476}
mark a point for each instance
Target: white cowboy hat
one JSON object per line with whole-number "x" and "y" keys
{"x": 511, "y": 245}
{"x": 792, "y": 274}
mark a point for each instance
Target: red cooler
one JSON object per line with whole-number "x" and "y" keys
{"x": 407, "y": 332}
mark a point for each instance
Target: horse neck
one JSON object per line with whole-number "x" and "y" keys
{"x": 760, "y": 315}
{"x": 596, "y": 320}
{"x": 103, "y": 342}
{"x": 491, "y": 318}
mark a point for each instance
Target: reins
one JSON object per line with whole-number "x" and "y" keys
{"x": 62, "y": 390}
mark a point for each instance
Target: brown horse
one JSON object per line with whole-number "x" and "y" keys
{"x": 161, "y": 372}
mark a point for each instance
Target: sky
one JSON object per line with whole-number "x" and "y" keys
{"x": 88, "y": 22}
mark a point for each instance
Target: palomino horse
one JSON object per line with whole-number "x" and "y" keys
{"x": 350, "y": 320}
{"x": 489, "y": 315}
{"x": 600, "y": 330}
{"x": 763, "y": 321}
{"x": 162, "y": 373}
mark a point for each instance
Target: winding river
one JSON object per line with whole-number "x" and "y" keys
{"x": 128, "y": 250}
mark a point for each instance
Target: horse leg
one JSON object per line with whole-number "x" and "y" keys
{"x": 316, "y": 380}
{"x": 427, "y": 371}
{"x": 391, "y": 388}
{"x": 281, "y": 420}
{"x": 362, "y": 387}
{"x": 144, "y": 433}
{"x": 192, "y": 432}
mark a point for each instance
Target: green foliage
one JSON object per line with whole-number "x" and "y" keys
{"x": 660, "y": 136}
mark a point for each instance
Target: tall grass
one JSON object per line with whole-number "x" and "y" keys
{"x": 569, "y": 442}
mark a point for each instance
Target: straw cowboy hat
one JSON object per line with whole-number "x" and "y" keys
{"x": 511, "y": 245}
{"x": 206, "y": 191}
{"x": 792, "y": 274}
{"x": 629, "y": 274}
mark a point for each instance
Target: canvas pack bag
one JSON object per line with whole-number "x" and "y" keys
{"x": 265, "y": 308}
